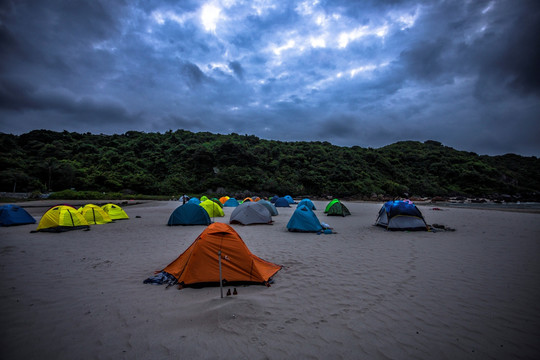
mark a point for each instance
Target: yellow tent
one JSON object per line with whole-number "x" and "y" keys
{"x": 62, "y": 218}
{"x": 213, "y": 209}
{"x": 115, "y": 211}
{"x": 95, "y": 215}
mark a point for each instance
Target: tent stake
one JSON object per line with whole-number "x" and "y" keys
{"x": 220, "y": 281}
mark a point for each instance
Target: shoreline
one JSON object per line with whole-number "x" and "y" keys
{"x": 526, "y": 207}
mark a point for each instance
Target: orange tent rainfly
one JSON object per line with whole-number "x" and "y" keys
{"x": 198, "y": 266}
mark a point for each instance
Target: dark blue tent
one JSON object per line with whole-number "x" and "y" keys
{"x": 189, "y": 214}
{"x": 282, "y": 202}
{"x": 232, "y": 202}
{"x": 304, "y": 220}
{"x": 14, "y": 215}
{"x": 401, "y": 215}
{"x": 274, "y": 198}
{"x": 308, "y": 203}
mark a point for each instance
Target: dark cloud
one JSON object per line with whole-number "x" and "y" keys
{"x": 191, "y": 73}
{"x": 354, "y": 73}
{"x": 237, "y": 68}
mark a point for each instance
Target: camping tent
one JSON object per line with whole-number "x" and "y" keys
{"x": 269, "y": 206}
{"x": 282, "y": 202}
{"x": 216, "y": 200}
{"x": 115, "y": 211}
{"x": 289, "y": 199}
{"x": 95, "y": 215}
{"x": 14, "y": 215}
{"x": 337, "y": 208}
{"x": 194, "y": 200}
{"x": 247, "y": 199}
{"x": 304, "y": 220}
{"x": 204, "y": 198}
{"x": 308, "y": 203}
{"x": 224, "y": 199}
{"x": 198, "y": 266}
{"x": 274, "y": 198}
{"x": 213, "y": 209}
{"x": 329, "y": 205}
{"x": 189, "y": 214}
{"x": 401, "y": 215}
{"x": 232, "y": 202}
{"x": 251, "y": 213}
{"x": 62, "y": 218}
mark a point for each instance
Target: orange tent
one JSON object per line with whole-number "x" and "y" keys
{"x": 223, "y": 199}
{"x": 198, "y": 266}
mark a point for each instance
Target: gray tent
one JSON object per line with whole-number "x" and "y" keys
{"x": 251, "y": 213}
{"x": 269, "y": 206}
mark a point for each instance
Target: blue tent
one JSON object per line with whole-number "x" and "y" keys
{"x": 289, "y": 199}
{"x": 282, "y": 202}
{"x": 14, "y": 215}
{"x": 194, "y": 200}
{"x": 308, "y": 203}
{"x": 232, "y": 202}
{"x": 189, "y": 214}
{"x": 401, "y": 215}
{"x": 274, "y": 198}
{"x": 303, "y": 219}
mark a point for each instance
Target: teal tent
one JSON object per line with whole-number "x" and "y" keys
{"x": 304, "y": 220}
{"x": 289, "y": 199}
{"x": 189, "y": 214}
{"x": 232, "y": 202}
{"x": 308, "y": 203}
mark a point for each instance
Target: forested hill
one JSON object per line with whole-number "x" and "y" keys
{"x": 178, "y": 162}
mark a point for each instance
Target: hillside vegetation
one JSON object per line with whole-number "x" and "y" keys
{"x": 178, "y": 162}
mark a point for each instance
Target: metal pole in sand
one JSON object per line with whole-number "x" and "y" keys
{"x": 220, "y": 281}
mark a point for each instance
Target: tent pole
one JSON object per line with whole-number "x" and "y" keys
{"x": 220, "y": 281}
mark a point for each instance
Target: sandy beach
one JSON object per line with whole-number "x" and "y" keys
{"x": 360, "y": 293}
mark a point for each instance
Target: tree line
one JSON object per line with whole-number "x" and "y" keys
{"x": 177, "y": 162}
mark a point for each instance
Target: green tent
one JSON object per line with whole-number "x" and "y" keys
{"x": 330, "y": 205}
{"x": 337, "y": 209}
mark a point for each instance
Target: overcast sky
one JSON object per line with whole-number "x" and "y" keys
{"x": 366, "y": 73}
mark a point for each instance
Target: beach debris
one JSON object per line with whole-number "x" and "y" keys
{"x": 440, "y": 227}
